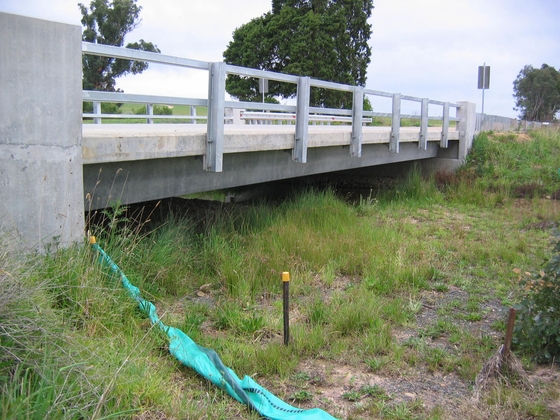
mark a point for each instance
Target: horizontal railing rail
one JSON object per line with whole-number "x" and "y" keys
{"x": 283, "y": 116}
{"x": 301, "y": 112}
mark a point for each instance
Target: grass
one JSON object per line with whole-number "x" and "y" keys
{"x": 131, "y": 108}
{"x": 364, "y": 275}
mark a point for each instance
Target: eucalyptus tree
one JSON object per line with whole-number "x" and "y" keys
{"x": 323, "y": 39}
{"x": 537, "y": 93}
{"x": 108, "y": 23}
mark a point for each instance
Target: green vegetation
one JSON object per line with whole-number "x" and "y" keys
{"x": 108, "y": 24}
{"x": 158, "y": 110}
{"x": 139, "y": 109}
{"x": 537, "y": 93}
{"x": 539, "y": 311}
{"x": 324, "y": 40}
{"x": 401, "y": 287}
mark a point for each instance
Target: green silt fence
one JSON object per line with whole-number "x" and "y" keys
{"x": 207, "y": 363}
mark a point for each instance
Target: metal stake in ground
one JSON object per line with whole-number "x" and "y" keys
{"x": 286, "y": 284}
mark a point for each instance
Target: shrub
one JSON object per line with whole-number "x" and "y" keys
{"x": 158, "y": 110}
{"x": 106, "y": 108}
{"x": 162, "y": 110}
{"x": 538, "y": 328}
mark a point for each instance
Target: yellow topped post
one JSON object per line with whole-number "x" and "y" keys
{"x": 286, "y": 289}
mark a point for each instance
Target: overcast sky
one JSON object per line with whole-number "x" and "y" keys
{"x": 429, "y": 48}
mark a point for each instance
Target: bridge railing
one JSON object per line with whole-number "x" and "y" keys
{"x": 304, "y": 113}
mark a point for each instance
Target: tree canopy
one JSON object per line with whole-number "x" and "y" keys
{"x": 108, "y": 23}
{"x": 323, "y": 39}
{"x": 537, "y": 93}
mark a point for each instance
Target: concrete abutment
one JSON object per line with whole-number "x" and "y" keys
{"x": 41, "y": 183}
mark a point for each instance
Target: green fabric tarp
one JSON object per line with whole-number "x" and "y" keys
{"x": 207, "y": 363}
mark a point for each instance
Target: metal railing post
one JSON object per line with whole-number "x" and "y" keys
{"x": 423, "y": 141}
{"x": 396, "y": 124}
{"x": 357, "y": 115}
{"x": 150, "y": 111}
{"x": 299, "y": 153}
{"x": 445, "y": 126}
{"x": 193, "y": 114}
{"x": 97, "y": 111}
{"x": 213, "y": 159}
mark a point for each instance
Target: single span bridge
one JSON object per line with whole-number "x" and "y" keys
{"x": 54, "y": 165}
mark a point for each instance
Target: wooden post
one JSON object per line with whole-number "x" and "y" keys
{"x": 509, "y": 333}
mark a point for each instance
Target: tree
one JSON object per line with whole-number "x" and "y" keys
{"x": 108, "y": 24}
{"x": 323, "y": 39}
{"x": 537, "y": 93}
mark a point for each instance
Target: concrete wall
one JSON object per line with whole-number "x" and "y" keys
{"x": 41, "y": 191}
{"x": 466, "y": 125}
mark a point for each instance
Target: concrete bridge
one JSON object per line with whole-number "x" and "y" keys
{"x": 134, "y": 163}
{"x": 53, "y": 166}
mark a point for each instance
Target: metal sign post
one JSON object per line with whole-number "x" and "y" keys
{"x": 483, "y": 82}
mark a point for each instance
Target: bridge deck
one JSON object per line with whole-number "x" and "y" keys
{"x": 125, "y": 142}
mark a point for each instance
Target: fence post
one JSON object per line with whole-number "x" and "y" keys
{"x": 466, "y": 114}
{"x": 357, "y": 116}
{"x": 97, "y": 111}
{"x": 423, "y": 141}
{"x": 213, "y": 159}
{"x": 396, "y": 124}
{"x": 150, "y": 111}
{"x": 299, "y": 153}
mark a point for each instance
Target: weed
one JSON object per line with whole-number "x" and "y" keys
{"x": 374, "y": 391}
{"x": 192, "y": 324}
{"x": 414, "y": 305}
{"x": 301, "y": 396}
{"x": 473, "y": 317}
{"x": 440, "y": 287}
{"x": 301, "y": 377}
{"x": 376, "y": 364}
{"x": 227, "y": 316}
{"x": 538, "y": 327}
{"x": 251, "y": 323}
{"x": 352, "y": 396}
{"x": 438, "y": 329}
{"x": 400, "y": 411}
{"x": 318, "y": 312}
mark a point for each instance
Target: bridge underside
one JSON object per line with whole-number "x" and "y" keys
{"x": 135, "y": 181}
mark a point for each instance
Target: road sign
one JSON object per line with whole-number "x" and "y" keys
{"x": 483, "y": 82}
{"x": 484, "y": 77}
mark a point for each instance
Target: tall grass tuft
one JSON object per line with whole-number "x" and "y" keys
{"x": 40, "y": 377}
{"x": 522, "y": 166}
{"x": 416, "y": 188}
